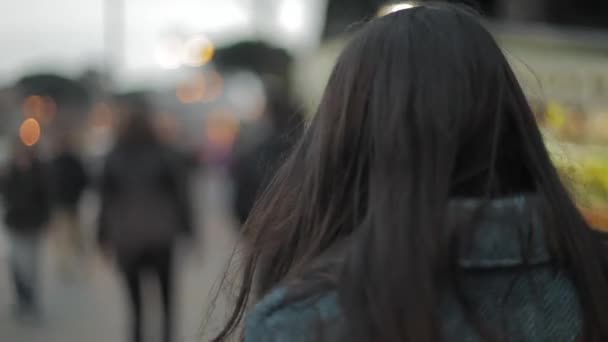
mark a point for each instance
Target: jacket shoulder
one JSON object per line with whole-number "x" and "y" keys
{"x": 278, "y": 319}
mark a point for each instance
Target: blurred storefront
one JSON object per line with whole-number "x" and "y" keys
{"x": 565, "y": 74}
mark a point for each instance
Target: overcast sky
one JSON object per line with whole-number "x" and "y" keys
{"x": 68, "y": 35}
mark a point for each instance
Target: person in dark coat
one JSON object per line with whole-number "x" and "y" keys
{"x": 27, "y": 209}
{"x": 145, "y": 208}
{"x": 69, "y": 179}
{"x": 255, "y": 163}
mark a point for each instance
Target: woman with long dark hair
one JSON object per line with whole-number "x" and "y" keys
{"x": 421, "y": 205}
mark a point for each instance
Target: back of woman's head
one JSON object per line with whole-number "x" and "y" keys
{"x": 421, "y": 107}
{"x": 137, "y": 128}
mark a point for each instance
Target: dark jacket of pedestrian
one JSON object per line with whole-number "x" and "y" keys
{"x": 253, "y": 168}
{"x": 69, "y": 179}
{"x": 143, "y": 193}
{"x": 256, "y": 163}
{"x": 26, "y": 196}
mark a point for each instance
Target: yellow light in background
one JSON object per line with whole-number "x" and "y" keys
{"x": 392, "y": 8}
{"x": 29, "y": 132}
{"x": 556, "y": 115}
{"x": 198, "y": 51}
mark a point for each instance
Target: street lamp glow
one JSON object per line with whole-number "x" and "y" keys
{"x": 197, "y": 51}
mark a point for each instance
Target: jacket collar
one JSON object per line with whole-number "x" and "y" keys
{"x": 507, "y": 232}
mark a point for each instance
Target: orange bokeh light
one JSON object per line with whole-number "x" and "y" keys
{"x": 201, "y": 88}
{"x": 198, "y": 51}
{"x": 193, "y": 90}
{"x": 30, "y": 132}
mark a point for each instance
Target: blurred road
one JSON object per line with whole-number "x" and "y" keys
{"x": 89, "y": 306}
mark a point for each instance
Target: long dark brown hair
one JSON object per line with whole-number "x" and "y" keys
{"x": 422, "y": 106}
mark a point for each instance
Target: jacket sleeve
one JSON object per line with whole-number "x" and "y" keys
{"x": 268, "y": 322}
{"x": 274, "y": 320}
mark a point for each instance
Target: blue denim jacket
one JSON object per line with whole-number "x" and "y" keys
{"x": 538, "y": 303}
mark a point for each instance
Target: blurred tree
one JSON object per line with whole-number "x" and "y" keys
{"x": 255, "y": 56}
{"x": 61, "y": 89}
{"x": 72, "y": 98}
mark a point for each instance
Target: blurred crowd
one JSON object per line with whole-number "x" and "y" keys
{"x": 137, "y": 157}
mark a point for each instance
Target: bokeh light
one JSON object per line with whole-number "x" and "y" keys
{"x": 168, "y": 53}
{"x": 29, "y": 132}
{"x": 206, "y": 87}
{"x": 192, "y": 90}
{"x": 197, "y": 51}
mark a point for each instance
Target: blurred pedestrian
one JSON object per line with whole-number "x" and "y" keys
{"x": 27, "y": 209}
{"x": 255, "y": 162}
{"x": 69, "y": 179}
{"x": 421, "y": 205}
{"x": 145, "y": 208}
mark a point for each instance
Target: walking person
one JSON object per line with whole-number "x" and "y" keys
{"x": 421, "y": 205}
{"x": 68, "y": 181}
{"x": 27, "y": 209}
{"x": 255, "y": 163}
{"x": 145, "y": 209}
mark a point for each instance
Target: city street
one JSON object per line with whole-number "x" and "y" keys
{"x": 90, "y": 305}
